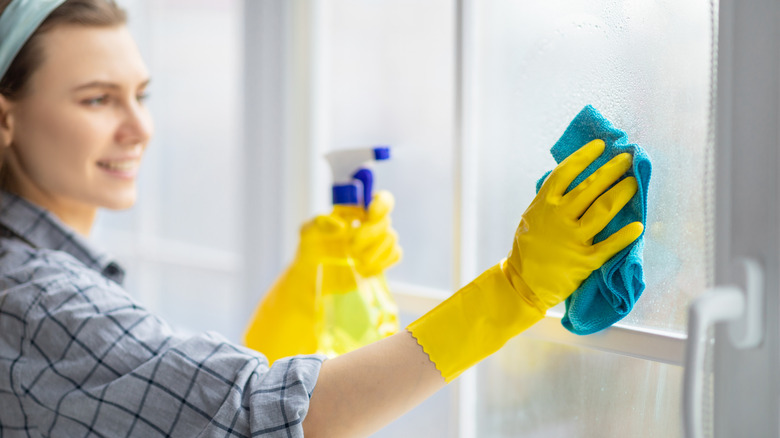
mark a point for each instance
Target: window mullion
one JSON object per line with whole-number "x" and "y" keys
{"x": 465, "y": 196}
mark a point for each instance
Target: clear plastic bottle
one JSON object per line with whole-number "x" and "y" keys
{"x": 321, "y": 303}
{"x": 353, "y": 310}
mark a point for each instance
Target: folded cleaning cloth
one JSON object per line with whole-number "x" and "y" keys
{"x": 610, "y": 292}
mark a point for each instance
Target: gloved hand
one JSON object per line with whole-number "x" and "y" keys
{"x": 552, "y": 254}
{"x": 286, "y": 321}
{"x": 374, "y": 244}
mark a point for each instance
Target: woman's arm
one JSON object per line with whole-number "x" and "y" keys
{"x": 360, "y": 392}
{"x": 552, "y": 254}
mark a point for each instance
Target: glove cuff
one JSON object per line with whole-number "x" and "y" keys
{"x": 473, "y": 323}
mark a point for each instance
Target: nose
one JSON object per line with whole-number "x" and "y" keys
{"x": 137, "y": 126}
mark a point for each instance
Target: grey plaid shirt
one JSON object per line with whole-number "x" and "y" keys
{"x": 79, "y": 357}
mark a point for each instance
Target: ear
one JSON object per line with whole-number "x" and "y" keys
{"x": 6, "y": 122}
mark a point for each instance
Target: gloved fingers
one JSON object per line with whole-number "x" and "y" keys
{"x": 607, "y": 206}
{"x": 380, "y": 256}
{"x": 324, "y": 235}
{"x": 606, "y": 249}
{"x": 377, "y": 222}
{"x": 368, "y": 233}
{"x": 563, "y": 175}
{"x": 581, "y": 197}
{"x": 324, "y": 224}
{"x": 377, "y": 248}
{"x": 382, "y": 204}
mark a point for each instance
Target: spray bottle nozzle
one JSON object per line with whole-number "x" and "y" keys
{"x": 353, "y": 179}
{"x": 382, "y": 153}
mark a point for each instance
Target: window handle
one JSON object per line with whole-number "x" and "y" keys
{"x": 740, "y": 307}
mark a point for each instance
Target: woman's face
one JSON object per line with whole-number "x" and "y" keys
{"x": 79, "y": 132}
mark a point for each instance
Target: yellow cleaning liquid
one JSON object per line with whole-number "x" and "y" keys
{"x": 321, "y": 303}
{"x": 353, "y": 311}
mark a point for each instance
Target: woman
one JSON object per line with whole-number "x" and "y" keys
{"x": 78, "y": 356}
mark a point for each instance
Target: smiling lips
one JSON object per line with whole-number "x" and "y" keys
{"x": 124, "y": 168}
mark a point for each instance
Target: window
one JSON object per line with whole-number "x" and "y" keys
{"x": 474, "y": 94}
{"x": 471, "y": 95}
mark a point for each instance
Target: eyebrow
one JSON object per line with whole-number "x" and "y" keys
{"x": 103, "y": 84}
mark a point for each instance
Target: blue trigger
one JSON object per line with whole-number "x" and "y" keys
{"x": 367, "y": 178}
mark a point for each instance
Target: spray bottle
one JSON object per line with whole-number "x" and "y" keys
{"x": 355, "y": 310}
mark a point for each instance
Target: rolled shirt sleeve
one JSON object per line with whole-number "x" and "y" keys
{"x": 92, "y": 361}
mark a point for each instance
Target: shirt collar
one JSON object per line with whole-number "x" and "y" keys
{"x": 41, "y": 229}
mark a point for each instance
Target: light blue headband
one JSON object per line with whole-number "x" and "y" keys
{"x": 18, "y": 22}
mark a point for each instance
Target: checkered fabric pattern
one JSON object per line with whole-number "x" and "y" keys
{"x": 78, "y": 357}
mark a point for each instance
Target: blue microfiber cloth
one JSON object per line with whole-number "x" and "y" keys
{"x": 610, "y": 292}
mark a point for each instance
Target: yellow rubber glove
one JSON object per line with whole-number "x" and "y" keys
{"x": 374, "y": 245}
{"x": 289, "y": 319}
{"x": 552, "y": 254}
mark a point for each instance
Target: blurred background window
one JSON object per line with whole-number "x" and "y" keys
{"x": 248, "y": 96}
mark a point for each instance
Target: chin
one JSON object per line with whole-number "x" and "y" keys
{"x": 119, "y": 201}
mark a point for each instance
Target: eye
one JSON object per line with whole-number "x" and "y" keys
{"x": 96, "y": 101}
{"x": 143, "y": 97}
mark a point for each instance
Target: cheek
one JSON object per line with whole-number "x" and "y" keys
{"x": 62, "y": 141}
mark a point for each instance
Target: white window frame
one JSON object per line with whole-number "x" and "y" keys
{"x": 747, "y": 222}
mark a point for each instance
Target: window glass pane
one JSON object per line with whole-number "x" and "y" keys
{"x": 195, "y": 300}
{"x": 387, "y": 69}
{"x": 534, "y": 389}
{"x": 190, "y": 178}
{"x": 196, "y": 60}
{"x": 646, "y": 66}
